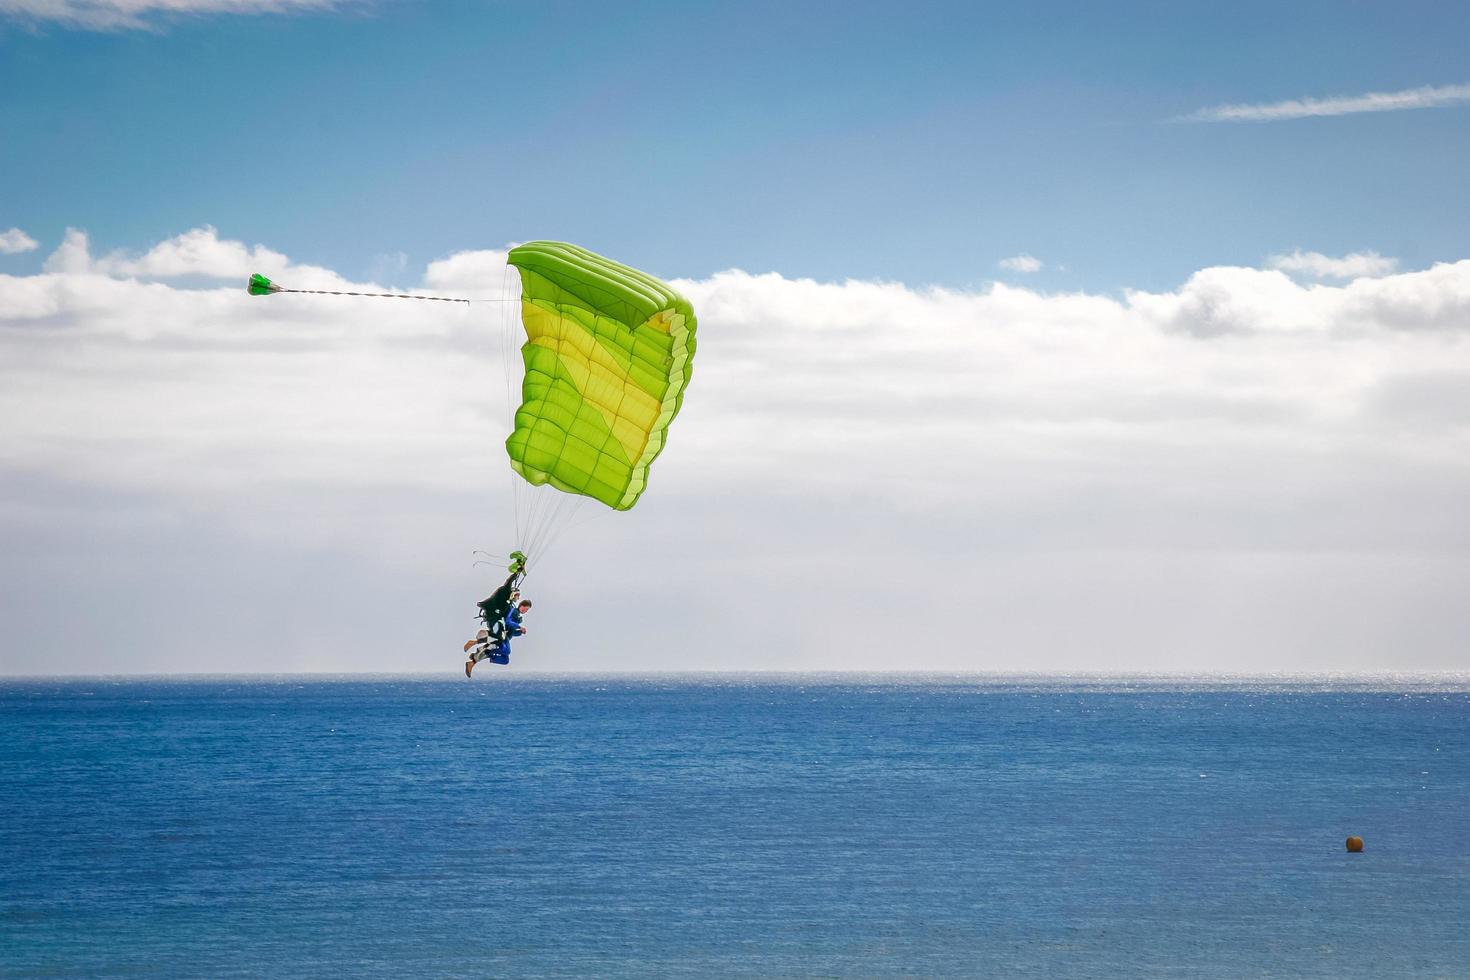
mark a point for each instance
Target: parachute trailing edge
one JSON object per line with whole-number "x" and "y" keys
{"x": 608, "y": 355}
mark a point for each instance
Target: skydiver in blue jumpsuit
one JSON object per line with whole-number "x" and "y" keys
{"x": 494, "y": 644}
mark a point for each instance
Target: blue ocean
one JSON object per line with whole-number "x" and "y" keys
{"x": 733, "y": 826}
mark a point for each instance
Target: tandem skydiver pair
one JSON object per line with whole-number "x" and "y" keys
{"x": 502, "y": 613}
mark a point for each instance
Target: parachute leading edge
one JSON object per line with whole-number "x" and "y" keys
{"x": 608, "y": 355}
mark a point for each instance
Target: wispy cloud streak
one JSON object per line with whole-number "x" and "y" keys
{"x": 1351, "y": 266}
{"x": 1022, "y": 263}
{"x": 1426, "y": 97}
{"x": 115, "y": 15}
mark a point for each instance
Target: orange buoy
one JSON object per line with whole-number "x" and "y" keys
{"x": 1355, "y": 844}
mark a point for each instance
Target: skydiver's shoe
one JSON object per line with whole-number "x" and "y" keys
{"x": 469, "y": 665}
{"x": 470, "y": 643}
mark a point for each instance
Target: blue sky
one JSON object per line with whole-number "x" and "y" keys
{"x": 919, "y": 143}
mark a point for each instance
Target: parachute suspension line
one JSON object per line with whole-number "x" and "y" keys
{"x": 566, "y": 523}
{"x": 543, "y": 505}
{"x": 564, "y": 508}
{"x": 552, "y": 505}
{"x": 556, "y": 536}
{"x": 534, "y": 498}
{"x": 542, "y": 516}
{"x": 535, "y": 533}
{"x": 561, "y": 528}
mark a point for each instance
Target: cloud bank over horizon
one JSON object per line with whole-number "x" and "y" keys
{"x": 1244, "y": 473}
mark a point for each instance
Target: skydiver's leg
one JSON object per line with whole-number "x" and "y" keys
{"x": 489, "y": 649}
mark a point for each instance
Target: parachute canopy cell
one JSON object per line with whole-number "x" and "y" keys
{"x": 608, "y": 353}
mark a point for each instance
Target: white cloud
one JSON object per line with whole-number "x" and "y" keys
{"x": 1354, "y": 265}
{"x": 471, "y": 273}
{"x": 15, "y": 241}
{"x": 198, "y": 253}
{"x": 106, "y": 15}
{"x": 1021, "y": 263}
{"x": 1231, "y": 300}
{"x": 1427, "y": 97}
{"x": 72, "y": 255}
{"x": 1244, "y": 472}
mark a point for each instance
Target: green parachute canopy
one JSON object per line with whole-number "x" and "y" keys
{"x": 608, "y": 353}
